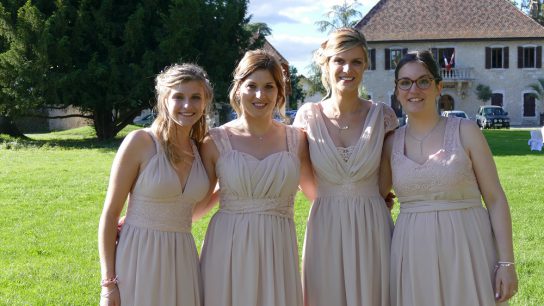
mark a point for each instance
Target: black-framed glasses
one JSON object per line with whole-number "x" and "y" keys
{"x": 421, "y": 83}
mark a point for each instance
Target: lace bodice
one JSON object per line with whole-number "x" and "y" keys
{"x": 345, "y": 153}
{"x": 446, "y": 175}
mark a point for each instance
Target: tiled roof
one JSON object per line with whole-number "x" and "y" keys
{"x": 401, "y": 20}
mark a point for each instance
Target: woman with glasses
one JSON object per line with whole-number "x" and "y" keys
{"x": 447, "y": 249}
{"x": 348, "y": 235}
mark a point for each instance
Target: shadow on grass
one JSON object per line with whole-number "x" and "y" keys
{"x": 10, "y": 143}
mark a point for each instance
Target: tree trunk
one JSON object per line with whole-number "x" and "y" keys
{"x": 104, "y": 124}
{"x": 7, "y": 126}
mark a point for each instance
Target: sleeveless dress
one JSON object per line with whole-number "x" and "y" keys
{"x": 443, "y": 250}
{"x": 250, "y": 255}
{"x": 156, "y": 258}
{"x": 348, "y": 234}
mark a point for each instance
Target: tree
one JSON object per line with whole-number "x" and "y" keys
{"x": 101, "y": 56}
{"x": 339, "y": 16}
{"x": 483, "y": 92}
{"x": 344, "y": 15}
{"x": 297, "y": 94}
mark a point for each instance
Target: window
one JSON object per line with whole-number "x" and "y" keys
{"x": 496, "y": 57}
{"x": 393, "y": 56}
{"x": 445, "y": 57}
{"x": 496, "y": 99}
{"x": 372, "y": 59}
{"x": 529, "y": 103}
{"x": 530, "y": 57}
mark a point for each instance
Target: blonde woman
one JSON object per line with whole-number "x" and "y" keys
{"x": 160, "y": 171}
{"x": 346, "y": 250}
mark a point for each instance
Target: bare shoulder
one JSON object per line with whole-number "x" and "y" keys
{"x": 470, "y": 133}
{"x": 139, "y": 142}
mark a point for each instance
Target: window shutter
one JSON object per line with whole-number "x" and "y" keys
{"x": 434, "y": 51}
{"x": 372, "y": 59}
{"x": 539, "y": 57}
{"x": 387, "y": 59}
{"x": 506, "y": 57}
{"x": 520, "y": 57}
{"x": 487, "y": 58}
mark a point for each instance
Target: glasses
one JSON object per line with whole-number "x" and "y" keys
{"x": 421, "y": 83}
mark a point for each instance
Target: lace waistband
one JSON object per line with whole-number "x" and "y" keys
{"x": 282, "y": 207}
{"x": 438, "y": 205}
{"x": 171, "y": 216}
{"x": 348, "y": 190}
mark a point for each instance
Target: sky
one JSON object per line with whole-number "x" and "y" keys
{"x": 294, "y": 33}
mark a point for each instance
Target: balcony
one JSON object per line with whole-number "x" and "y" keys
{"x": 456, "y": 74}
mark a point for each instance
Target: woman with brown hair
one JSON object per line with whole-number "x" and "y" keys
{"x": 250, "y": 254}
{"x": 160, "y": 171}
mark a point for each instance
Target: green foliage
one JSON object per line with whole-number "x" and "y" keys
{"x": 343, "y": 15}
{"x": 483, "y": 92}
{"x": 52, "y": 193}
{"x": 297, "y": 94}
{"x": 101, "y": 56}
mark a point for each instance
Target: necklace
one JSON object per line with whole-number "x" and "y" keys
{"x": 336, "y": 123}
{"x": 422, "y": 139}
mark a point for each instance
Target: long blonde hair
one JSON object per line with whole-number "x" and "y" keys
{"x": 163, "y": 124}
{"x": 340, "y": 40}
{"x": 252, "y": 61}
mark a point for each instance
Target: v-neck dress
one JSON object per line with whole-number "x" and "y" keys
{"x": 250, "y": 254}
{"x": 348, "y": 234}
{"x": 156, "y": 259}
{"x": 443, "y": 250}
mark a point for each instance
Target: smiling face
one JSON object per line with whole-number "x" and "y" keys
{"x": 415, "y": 99}
{"x": 258, "y": 94}
{"x": 346, "y": 69}
{"x": 186, "y": 103}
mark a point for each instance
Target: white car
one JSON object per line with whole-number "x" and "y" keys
{"x": 454, "y": 113}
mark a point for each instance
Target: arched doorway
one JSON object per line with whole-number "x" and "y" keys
{"x": 446, "y": 103}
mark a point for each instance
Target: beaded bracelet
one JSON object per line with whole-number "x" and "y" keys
{"x": 504, "y": 264}
{"x": 109, "y": 281}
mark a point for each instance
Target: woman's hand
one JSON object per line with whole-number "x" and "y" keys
{"x": 110, "y": 296}
{"x": 506, "y": 283}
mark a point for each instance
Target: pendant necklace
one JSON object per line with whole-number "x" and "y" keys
{"x": 422, "y": 139}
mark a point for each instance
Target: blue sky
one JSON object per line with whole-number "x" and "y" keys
{"x": 294, "y": 33}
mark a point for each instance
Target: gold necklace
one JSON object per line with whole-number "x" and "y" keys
{"x": 422, "y": 139}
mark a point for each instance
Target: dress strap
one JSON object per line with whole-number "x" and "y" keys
{"x": 398, "y": 141}
{"x": 156, "y": 141}
{"x": 221, "y": 139}
{"x": 451, "y": 135}
{"x": 292, "y": 139}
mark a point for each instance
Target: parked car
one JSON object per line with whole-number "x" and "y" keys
{"x": 145, "y": 121}
{"x": 454, "y": 113}
{"x": 492, "y": 116}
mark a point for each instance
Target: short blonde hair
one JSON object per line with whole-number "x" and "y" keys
{"x": 168, "y": 78}
{"x": 252, "y": 61}
{"x": 340, "y": 40}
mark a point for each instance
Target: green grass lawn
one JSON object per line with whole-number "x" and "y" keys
{"x": 52, "y": 188}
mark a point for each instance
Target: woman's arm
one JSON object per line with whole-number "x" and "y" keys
{"x": 495, "y": 200}
{"x": 307, "y": 178}
{"x": 385, "y": 177}
{"x": 209, "y": 155}
{"x": 124, "y": 172}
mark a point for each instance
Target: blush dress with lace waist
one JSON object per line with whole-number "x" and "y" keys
{"x": 443, "y": 251}
{"x": 250, "y": 254}
{"x": 156, "y": 258}
{"x": 348, "y": 235}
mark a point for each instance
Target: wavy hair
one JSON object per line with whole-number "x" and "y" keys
{"x": 163, "y": 124}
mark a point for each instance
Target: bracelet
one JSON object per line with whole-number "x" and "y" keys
{"x": 109, "y": 281}
{"x": 107, "y": 294}
{"x": 504, "y": 264}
